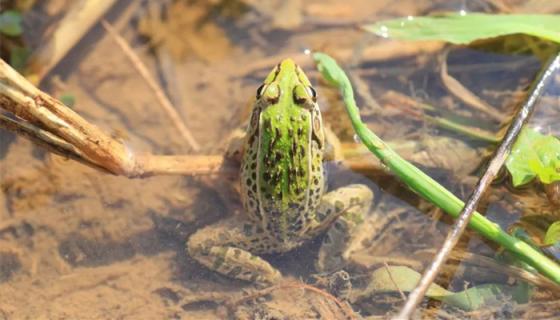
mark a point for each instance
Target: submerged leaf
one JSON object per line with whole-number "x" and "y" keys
{"x": 461, "y": 28}
{"x": 534, "y": 155}
{"x": 68, "y": 99}
{"x": 399, "y": 278}
{"x": 18, "y": 57}
{"x": 10, "y": 23}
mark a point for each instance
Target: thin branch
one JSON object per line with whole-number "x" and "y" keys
{"x": 461, "y": 92}
{"x": 393, "y": 280}
{"x": 81, "y": 17}
{"x": 151, "y": 165}
{"x": 24, "y": 101}
{"x": 496, "y": 163}
{"x": 46, "y": 140}
{"x": 160, "y": 96}
{"x": 517, "y": 273}
{"x": 420, "y": 110}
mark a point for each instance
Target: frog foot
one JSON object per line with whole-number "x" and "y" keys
{"x": 348, "y": 205}
{"x": 337, "y": 283}
{"x": 226, "y": 246}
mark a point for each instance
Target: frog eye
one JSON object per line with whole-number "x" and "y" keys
{"x": 260, "y": 90}
{"x": 271, "y": 93}
{"x": 304, "y": 96}
{"x": 312, "y": 93}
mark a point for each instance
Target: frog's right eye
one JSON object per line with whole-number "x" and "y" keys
{"x": 260, "y": 90}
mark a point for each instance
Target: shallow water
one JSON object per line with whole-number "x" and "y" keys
{"x": 76, "y": 243}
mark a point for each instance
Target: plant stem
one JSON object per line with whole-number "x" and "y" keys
{"x": 467, "y": 131}
{"x": 421, "y": 183}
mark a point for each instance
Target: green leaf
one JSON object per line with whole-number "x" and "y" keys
{"x": 10, "y": 23}
{"x": 400, "y": 278}
{"x": 18, "y": 57}
{"x": 68, "y": 99}
{"x": 464, "y": 28}
{"x": 552, "y": 241}
{"x": 534, "y": 155}
{"x": 552, "y": 235}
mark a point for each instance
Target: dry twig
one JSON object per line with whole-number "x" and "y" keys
{"x": 81, "y": 17}
{"x": 458, "y": 90}
{"x": 45, "y": 120}
{"x": 512, "y": 271}
{"x": 25, "y": 102}
{"x": 160, "y": 96}
{"x": 417, "y": 109}
{"x": 393, "y": 280}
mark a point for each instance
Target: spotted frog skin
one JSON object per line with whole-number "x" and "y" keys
{"x": 282, "y": 187}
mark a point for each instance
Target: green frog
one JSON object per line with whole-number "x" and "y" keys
{"x": 283, "y": 188}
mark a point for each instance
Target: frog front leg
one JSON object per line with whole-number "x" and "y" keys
{"x": 230, "y": 246}
{"x": 339, "y": 212}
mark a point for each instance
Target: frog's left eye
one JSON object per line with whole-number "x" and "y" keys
{"x": 260, "y": 90}
{"x": 305, "y": 96}
{"x": 312, "y": 93}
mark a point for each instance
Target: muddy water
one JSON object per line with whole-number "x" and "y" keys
{"x": 79, "y": 244}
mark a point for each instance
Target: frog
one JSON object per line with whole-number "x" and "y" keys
{"x": 283, "y": 187}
